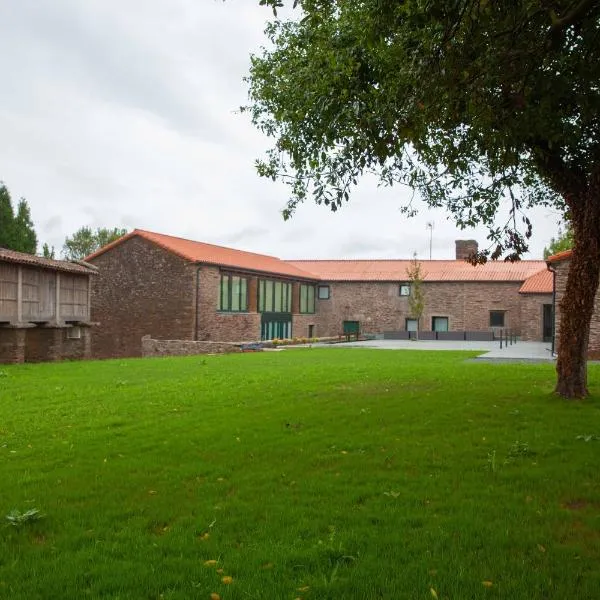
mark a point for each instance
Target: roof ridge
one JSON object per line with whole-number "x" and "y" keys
{"x": 220, "y": 246}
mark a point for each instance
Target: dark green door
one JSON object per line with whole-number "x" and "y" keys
{"x": 351, "y": 327}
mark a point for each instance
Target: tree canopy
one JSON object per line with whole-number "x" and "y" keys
{"x": 477, "y": 105}
{"x": 85, "y": 241}
{"x": 563, "y": 241}
{"x": 16, "y": 230}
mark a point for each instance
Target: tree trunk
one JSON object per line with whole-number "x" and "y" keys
{"x": 577, "y": 304}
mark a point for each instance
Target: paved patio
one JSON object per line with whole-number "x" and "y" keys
{"x": 521, "y": 351}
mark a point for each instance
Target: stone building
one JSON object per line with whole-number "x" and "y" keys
{"x": 172, "y": 288}
{"x": 560, "y": 263}
{"x": 44, "y": 308}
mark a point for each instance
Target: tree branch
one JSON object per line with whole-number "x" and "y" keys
{"x": 558, "y": 24}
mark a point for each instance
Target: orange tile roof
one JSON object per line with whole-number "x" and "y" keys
{"x": 201, "y": 252}
{"x": 333, "y": 270}
{"x": 539, "y": 283}
{"x": 433, "y": 270}
{"x": 23, "y": 258}
{"x": 560, "y": 256}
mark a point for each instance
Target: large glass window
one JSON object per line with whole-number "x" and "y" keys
{"x": 274, "y": 296}
{"x": 234, "y": 293}
{"x": 307, "y": 298}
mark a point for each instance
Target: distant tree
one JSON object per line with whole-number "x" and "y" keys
{"x": 416, "y": 299}
{"x": 25, "y": 236}
{"x": 563, "y": 241}
{"x": 16, "y": 231}
{"x": 47, "y": 251}
{"x": 7, "y": 219}
{"x": 85, "y": 241}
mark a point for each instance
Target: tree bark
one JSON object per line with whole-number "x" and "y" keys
{"x": 577, "y": 304}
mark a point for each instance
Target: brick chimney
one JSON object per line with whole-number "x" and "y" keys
{"x": 464, "y": 248}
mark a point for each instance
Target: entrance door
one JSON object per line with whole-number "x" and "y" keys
{"x": 547, "y": 323}
{"x": 276, "y": 326}
{"x": 351, "y": 327}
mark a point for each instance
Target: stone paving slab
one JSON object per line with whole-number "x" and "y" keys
{"x": 536, "y": 351}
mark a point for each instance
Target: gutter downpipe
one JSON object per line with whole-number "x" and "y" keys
{"x": 553, "y": 271}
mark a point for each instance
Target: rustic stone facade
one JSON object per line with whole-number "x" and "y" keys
{"x": 146, "y": 289}
{"x": 562, "y": 271}
{"x": 140, "y": 290}
{"x": 224, "y": 326}
{"x": 532, "y": 316}
{"x": 379, "y": 307}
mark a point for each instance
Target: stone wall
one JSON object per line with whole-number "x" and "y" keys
{"x": 12, "y": 345}
{"x": 140, "y": 290}
{"x": 562, "y": 271}
{"x": 532, "y": 316}
{"x": 301, "y": 323}
{"x": 41, "y": 344}
{"x": 379, "y": 307}
{"x": 151, "y": 347}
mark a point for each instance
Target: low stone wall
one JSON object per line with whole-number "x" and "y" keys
{"x": 151, "y": 347}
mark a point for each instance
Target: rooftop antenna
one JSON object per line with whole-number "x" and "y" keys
{"x": 430, "y": 225}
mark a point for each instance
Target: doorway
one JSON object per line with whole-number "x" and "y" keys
{"x": 547, "y": 323}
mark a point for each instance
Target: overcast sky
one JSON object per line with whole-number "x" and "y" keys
{"x": 125, "y": 114}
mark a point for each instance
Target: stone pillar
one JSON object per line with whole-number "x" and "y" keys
{"x": 252, "y": 294}
{"x": 295, "y": 298}
{"x": 86, "y": 341}
{"x": 55, "y": 343}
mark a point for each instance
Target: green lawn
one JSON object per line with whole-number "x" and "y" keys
{"x": 313, "y": 474}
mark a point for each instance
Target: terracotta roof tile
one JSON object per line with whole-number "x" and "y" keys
{"x": 560, "y": 256}
{"x": 202, "y": 252}
{"x": 539, "y": 283}
{"x": 433, "y": 270}
{"x": 23, "y": 258}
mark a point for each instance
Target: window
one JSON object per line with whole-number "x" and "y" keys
{"x": 496, "y": 318}
{"x": 274, "y": 296}
{"x": 74, "y": 333}
{"x": 307, "y": 298}
{"x": 234, "y": 294}
{"x": 412, "y": 325}
{"x": 439, "y": 323}
{"x": 324, "y": 292}
{"x": 405, "y": 289}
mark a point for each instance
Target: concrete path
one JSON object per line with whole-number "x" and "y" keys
{"x": 521, "y": 351}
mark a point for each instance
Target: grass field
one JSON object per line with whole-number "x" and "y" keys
{"x": 313, "y": 474}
